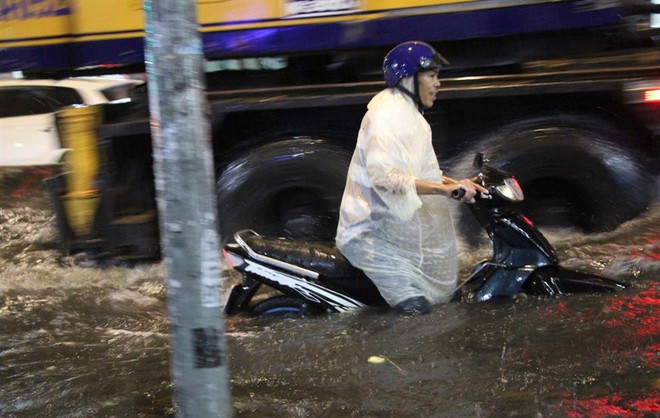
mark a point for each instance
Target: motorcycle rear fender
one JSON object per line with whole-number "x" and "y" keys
{"x": 324, "y": 298}
{"x": 241, "y": 295}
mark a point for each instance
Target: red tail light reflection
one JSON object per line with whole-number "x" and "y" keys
{"x": 652, "y": 96}
{"x": 528, "y": 221}
{"x": 614, "y": 406}
{"x": 637, "y": 317}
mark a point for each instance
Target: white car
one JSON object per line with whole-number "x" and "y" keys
{"x": 28, "y": 135}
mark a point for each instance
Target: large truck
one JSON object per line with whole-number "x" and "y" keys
{"x": 565, "y": 94}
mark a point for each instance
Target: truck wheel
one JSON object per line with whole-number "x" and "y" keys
{"x": 575, "y": 171}
{"x": 290, "y": 188}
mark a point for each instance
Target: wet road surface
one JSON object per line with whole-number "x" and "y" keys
{"x": 82, "y": 340}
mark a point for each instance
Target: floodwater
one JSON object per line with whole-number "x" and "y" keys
{"x": 83, "y": 340}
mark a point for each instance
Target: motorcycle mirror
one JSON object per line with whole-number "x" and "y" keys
{"x": 479, "y": 160}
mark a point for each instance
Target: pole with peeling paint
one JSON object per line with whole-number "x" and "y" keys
{"x": 183, "y": 168}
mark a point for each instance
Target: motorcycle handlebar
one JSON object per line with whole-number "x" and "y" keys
{"x": 458, "y": 193}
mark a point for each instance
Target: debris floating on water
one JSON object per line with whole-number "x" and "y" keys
{"x": 382, "y": 359}
{"x": 376, "y": 360}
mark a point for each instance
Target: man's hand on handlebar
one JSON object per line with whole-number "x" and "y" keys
{"x": 465, "y": 190}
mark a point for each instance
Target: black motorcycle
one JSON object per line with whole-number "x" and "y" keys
{"x": 314, "y": 277}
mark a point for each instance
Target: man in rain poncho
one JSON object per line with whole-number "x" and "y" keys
{"x": 394, "y": 220}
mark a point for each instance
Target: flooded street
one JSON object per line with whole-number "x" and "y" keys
{"x": 82, "y": 340}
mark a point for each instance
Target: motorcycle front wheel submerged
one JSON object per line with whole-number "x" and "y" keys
{"x": 284, "y": 306}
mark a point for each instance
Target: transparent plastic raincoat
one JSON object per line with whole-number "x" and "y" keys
{"x": 403, "y": 241}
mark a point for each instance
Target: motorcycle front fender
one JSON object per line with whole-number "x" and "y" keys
{"x": 556, "y": 281}
{"x": 491, "y": 281}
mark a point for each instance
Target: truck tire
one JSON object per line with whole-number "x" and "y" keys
{"x": 575, "y": 171}
{"x": 290, "y": 188}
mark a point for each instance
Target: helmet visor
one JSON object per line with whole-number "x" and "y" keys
{"x": 431, "y": 63}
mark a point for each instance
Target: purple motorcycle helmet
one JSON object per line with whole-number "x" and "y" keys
{"x": 408, "y": 59}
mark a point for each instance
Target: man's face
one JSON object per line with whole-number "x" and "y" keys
{"x": 428, "y": 87}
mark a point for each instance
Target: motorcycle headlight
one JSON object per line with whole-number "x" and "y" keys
{"x": 510, "y": 190}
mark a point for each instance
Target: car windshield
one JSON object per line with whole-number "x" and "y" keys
{"x": 35, "y": 100}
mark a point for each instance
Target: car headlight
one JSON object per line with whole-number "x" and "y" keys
{"x": 510, "y": 190}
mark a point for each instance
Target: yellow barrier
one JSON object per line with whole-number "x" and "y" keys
{"x": 76, "y": 128}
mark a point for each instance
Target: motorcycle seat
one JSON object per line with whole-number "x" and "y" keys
{"x": 321, "y": 257}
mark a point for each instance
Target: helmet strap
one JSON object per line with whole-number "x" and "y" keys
{"x": 415, "y": 95}
{"x": 418, "y": 100}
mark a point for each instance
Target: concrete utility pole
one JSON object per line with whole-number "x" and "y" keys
{"x": 187, "y": 208}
